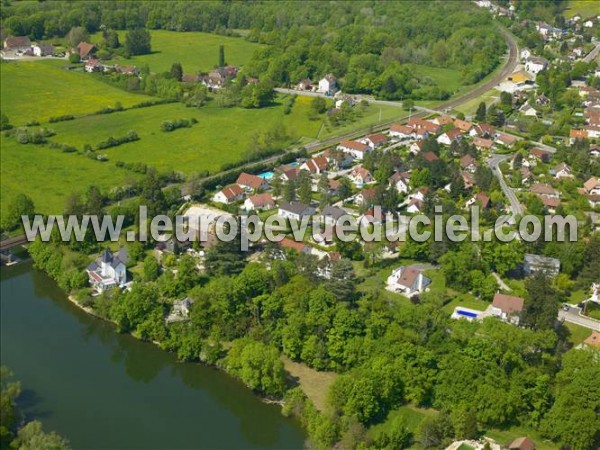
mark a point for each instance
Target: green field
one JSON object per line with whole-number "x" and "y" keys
{"x": 374, "y": 115}
{"x": 38, "y": 90}
{"x": 585, "y": 8}
{"x": 194, "y": 50}
{"x": 448, "y": 79}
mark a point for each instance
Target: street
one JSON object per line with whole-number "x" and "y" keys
{"x": 572, "y": 316}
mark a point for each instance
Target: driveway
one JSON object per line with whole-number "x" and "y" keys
{"x": 573, "y": 316}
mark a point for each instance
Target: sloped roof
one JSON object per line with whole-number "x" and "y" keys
{"x": 508, "y": 304}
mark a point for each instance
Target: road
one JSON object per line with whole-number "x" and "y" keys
{"x": 572, "y": 316}
{"x": 592, "y": 55}
{"x": 494, "y": 163}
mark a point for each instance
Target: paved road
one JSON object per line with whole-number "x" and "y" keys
{"x": 494, "y": 163}
{"x": 592, "y": 55}
{"x": 572, "y": 316}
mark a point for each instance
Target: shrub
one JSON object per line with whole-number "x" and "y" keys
{"x": 61, "y": 118}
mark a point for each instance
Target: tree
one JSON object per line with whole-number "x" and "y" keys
{"x": 436, "y": 431}
{"x": 304, "y": 187}
{"x": 151, "y": 268}
{"x": 77, "y": 35}
{"x": 4, "y": 122}
{"x": 318, "y": 105}
{"x": 221, "y": 55}
{"x": 289, "y": 190}
{"x": 480, "y": 115}
{"x": 111, "y": 38}
{"x": 21, "y": 205}
{"x": 541, "y": 303}
{"x": 137, "y": 42}
{"x": 177, "y": 71}
{"x": 32, "y": 437}
{"x": 345, "y": 189}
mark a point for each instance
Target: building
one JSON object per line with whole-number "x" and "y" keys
{"x": 43, "y": 50}
{"x": 535, "y": 65}
{"x": 450, "y": 136}
{"x": 180, "y": 311}
{"x": 463, "y": 125}
{"x": 522, "y": 443}
{"x": 315, "y": 165}
{"x": 562, "y": 171}
{"x": 354, "y": 148}
{"x": 409, "y": 281}
{"x": 328, "y": 85}
{"x": 229, "y": 194}
{"x": 251, "y": 182}
{"x": 483, "y": 144}
{"x": 332, "y": 214}
{"x": 506, "y": 307}
{"x": 506, "y": 139}
{"x": 295, "y": 210}
{"x": 109, "y": 270}
{"x": 401, "y": 132}
{"x": 93, "y": 65}
{"x": 365, "y": 197}
{"x": 592, "y": 186}
{"x": 360, "y": 176}
{"x": 259, "y": 202}
{"x": 304, "y": 85}
{"x": 537, "y": 263}
{"x": 17, "y": 44}
{"x": 374, "y": 140}
{"x": 468, "y": 163}
{"x": 86, "y": 50}
{"x": 400, "y": 180}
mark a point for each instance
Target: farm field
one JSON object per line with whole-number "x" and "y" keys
{"x": 374, "y": 115}
{"x": 585, "y": 8}
{"x": 195, "y": 51}
{"x": 38, "y": 90}
{"x": 49, "y": 176}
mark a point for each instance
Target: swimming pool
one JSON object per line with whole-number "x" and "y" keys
{"x": 266, "y": 175}
{"x": 462, "y": 312}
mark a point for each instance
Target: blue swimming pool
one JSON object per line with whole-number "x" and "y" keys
{"x": 462, "y": 312}
{"x": 266, "y": 175}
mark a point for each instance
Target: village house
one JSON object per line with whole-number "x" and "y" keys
{"x": 401, "y": 132}
{"x": 506, "y": 139}
{"x": 544, "y": 189}
{"x": 365, "y": 197}
{"x": 537, "y": 153}
{"x": 304, "y": 85}
{"x": 525, "y": 54}
{"x": 354, "y": 148}
{"x": 17, "y": 44}
{"x": 463, "y": 125}
{"x": 251, "y": 183}
{"x": 562, "y": 171}
{"x": 360, "y": 176}
{"x": 535, "y": 65}
{"x": 430, "y": 156}
{"x": 290, "y": 174}
{"x": 400, "y": 180}
{"x": 328, "y": 85}
{"x": 294, "y": 210}
{"x": 128, "y": 70}
{"x": 592, "y": 186}
{"x": 374, "y": 140}
{"x": 468, "y": 163}
{"x": 482, "y": 130}
{"x": 338, "y": 159}
{"x": 315, "y": 165}
{"x": 522, "y": 443}
{"x": 416, "y": 123}
{"x": 536, "y": 263}
{"x": 43, "y": 50}
{"x": 506, "y": 307}
{"x": 409, "y": 281}
{"x": 528, "y": 110}
{"x": 229, "y": 194}
{"x": 180, "y": 311}
{"x": 593, "y": 131}
{"x": 93, "y": 65}
{"x": 344, "y": 100}
{"x": 332, "y": 214}
{"x": 482, "y": 144}
{"x": 294, "y": 246}
{"x": 526, "y": 175}
{"x": 594, "y": 151}
{"x": 481, "y": 199}
{"x": 334, "y": 186}
{"x": 450, "y": 136}
{"x": 109, "y": 270}
{"x": 443, "y": 120}
{"x": 416, "y": 147}
{"x": 86, "y": 50}
{"x": 468, "y": 179}
{"x": 577, "y": 135}
{"x": 259, "y": 202}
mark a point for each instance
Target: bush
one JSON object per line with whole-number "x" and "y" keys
{"x": 114, "y": 142}
{"x": 61, "y": 118}
{"x": 74, "y": 58}
{"x": 172, "y": 125}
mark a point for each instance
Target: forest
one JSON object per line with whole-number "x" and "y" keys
{"x": 371, "y": 47}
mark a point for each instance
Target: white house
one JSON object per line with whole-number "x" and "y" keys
{"x": 328, "y": 84}
{"x": 332, "y": 214}
{"x": 354, "y": 148}
{"x": 535, "y": 65}
{"x": 536, "y": 263}
{"x": 408, "y": 281}
{"x": 528, "y": 110}
{"x": 360, "y": 176}
{"x": 43, "y": 50}
{"x": 181, "y": 310}
{"x": 506, "y": 307}
{"x": 315, "y": 165}
{"x": 400, "y": 180}
{"x": 109, "y": 270}
{"x": 562, "y": 171}
{"x": 401, "y": 132}
{"x": 229, "y": 194}
{"x": 259, "y": 202}
{"x": 294, "y": 210}
{"x": 449, "y": 137}
{"x": 525, "y": 54}
{"x": 592, "y": 186}
{"x": 374, "y": 140}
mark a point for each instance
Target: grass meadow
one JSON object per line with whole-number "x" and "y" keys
{"x": 38, "y": 90}
{"x": 195, "y": 51}
{"x": 585, "y": 8}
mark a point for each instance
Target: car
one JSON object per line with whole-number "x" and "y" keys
{"x": 566, "y": 307}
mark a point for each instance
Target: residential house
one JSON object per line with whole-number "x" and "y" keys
{"x": 528, "y": 110}
{"x": 577, "y": 135}
{"x": 229, "y": 194}
{"x": 450, "y": 136}
{"x": 522, "y": 443}
{"x": 259, "y": 202}
{"x": 468, "y": 179}
{"x": 17, "y": 44}
{"x": 525, "y": 54}
{"x": 338, "y": 159}
{"x": 334, "y": 186}
{"x": 93, "y": 65}
{"x": 400, "y": 180}
{"x": 43, "y": 50}
{"x": 132, "y": 70}
{"x": 593, "y": 131}
{"x": 544, "y": 189}
{"x": 535, "y": 65}
{"x": 562, "y": 171}
{"x": 251, "y": 182}
{"x": 86, "y": 50}
{"x": 180, "y": 311}
{"x": 315, "y": 165}
{"x": 401, "y": 132}
{"x": 526, "y": 175}
{"x": 109, "y": 270}
{"x": 481, "y": 199}
{"x": 343, "y": 100}
{"x": 365, "y": 197}
{"x": 294, "y": 246}
{"x": 506, "y": 139}
{"x": 463, "y": 125}
{"x": 304, "y": 85}
{"x": 506, "y": 307}
{"x": 332, "y": 214}
{"x": 482, "y": 130}
{"x": 442, "y": 120}
{"x": 430, "y": 156}
{"x": 354, "y": 148}
{"x": 374, "y": 140}
{"x": 360, "y": 176}
{"x": 468, "y": 163}
{"x": 414, "y": 206}
{"x": 594, "y": 151}
{"x": 409, "y": 281}
{"x": 482, "y": 144}
{"x": 295, "y": 210}
{"x": 328, "y": 85}
{"x": 592, "y": 186}
{"x": 290, "y": 174}
{"x": 416, "y": 147}
{"x": 536, "y": 263}
{"x": 540, "y": 154}
{"x": 416, "y": 123}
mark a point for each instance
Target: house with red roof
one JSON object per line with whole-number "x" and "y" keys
{"x": 315, "y": 165}
{"x": 259, "y": 202}
{"x": 463, "y": 125}
{"x": 430, "y": 156}
{"x": 229, "y": 194}
{"x": 251, "y": 182}
{"x": 408, "y": 280}
{"x": 360, "y": 176}
{"x": 86, "y": 50}
{"x": 507, "y": 308}
{"x": 374, "y": 140}
{"x": 401, "y": 131}
{"x": 355, "y": 148}
{"x": 450, "y": 136}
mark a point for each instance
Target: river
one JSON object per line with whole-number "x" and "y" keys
{"x": 103, "y": 390}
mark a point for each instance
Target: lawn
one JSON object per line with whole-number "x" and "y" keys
{"x": 194, "y": 50}
{"x": 315, "y": 384}
{"x": 221, "y": 136}
{"x": 49, "y": 176}
{"x": 470, "y": 107}
{"x": 585, "y": 8}
{"x": 505, "y": 437}
{"x": 448, "y": 79}
{"x": 412, "y": 416}
{"x": 372, "y": 116}
{"x": 577, "y": 333}
{"x": 38, "y": 90}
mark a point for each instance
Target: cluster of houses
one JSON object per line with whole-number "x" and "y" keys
{"x": 591, "y": 113}
{"x": 22, "y": 46}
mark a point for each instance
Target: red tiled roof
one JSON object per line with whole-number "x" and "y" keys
{"x": 261, "y": 200}
{"x": 466, "y": 161}
{"x": 377, "y": 138}
{"x": 249, "y": 180}
{"x": 508, "y": 304}
{"x": 430, "y": 156}
{"x": 463, "y": 125}
{"x": 232, "y": 191}
{"x": 354, "y": 145}
{"x": 578, "y": 134}
{"x": 85, "y": 48}
{"x": 293, "y": 245}
{"x": 482, "y": 143}
{"x": 400, "y": 128}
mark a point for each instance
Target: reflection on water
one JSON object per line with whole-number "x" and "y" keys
{"x": 105, "y": 390}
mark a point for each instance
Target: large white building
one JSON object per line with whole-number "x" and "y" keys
{"x": 109, "y": 270}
